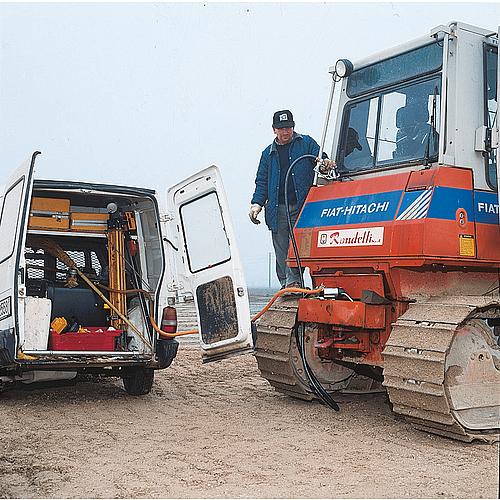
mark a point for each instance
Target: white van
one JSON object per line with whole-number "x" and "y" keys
{"x": 88, "y": 271}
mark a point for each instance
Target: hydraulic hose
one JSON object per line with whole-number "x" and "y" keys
{"x": 314, "y": 383}
{"x": 278, "y": 294}
{"x": 289, "y": 221}
{"x": 281, "y": 292}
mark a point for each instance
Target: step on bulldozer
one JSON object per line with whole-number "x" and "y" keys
{"x": 403, "y": 241}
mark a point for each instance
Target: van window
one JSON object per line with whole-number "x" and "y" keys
{"x": 207, "y": 244}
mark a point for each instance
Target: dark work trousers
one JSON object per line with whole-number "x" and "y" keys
{"x": 281, "y": 241}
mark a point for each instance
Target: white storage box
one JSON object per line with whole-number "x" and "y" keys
{"x": 36, "y": 323}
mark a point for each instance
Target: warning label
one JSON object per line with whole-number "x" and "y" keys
{"x": 467, "y": 245}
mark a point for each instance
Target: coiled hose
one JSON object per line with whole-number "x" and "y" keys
{"x": 314, "y": 383}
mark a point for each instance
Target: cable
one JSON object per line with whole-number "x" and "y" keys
{"x": 160, "y": 332}
{"x": 278, "y": 294}
{"x": 346, "y": 295}
{"x": 151, "y": 307}
{"x": 127, "y": 291}
{"x": 290, "y": 227}
{"x": 136, "y": 278}
{"x": 128, "y": 264}
{"x": 314, "y": 383}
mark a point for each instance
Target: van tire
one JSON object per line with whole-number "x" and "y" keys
{"x": 138, "y": 382}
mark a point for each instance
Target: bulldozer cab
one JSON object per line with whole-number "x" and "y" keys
{"x": 411, "y": 106}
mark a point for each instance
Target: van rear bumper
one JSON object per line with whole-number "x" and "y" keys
{"x": 80, "y": 360}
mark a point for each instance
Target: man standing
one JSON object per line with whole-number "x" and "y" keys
{"x": 270, "y": 187}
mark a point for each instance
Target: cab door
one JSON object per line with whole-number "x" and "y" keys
{"x": 208, "y": 259}
{"x": 13, "y": 222}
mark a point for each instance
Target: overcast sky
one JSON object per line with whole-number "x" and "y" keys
{"x": 146, "y": 94}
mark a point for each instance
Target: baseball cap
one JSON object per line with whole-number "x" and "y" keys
{"x": 283, "y": 119}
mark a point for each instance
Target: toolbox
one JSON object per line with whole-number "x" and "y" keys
{"x": 89, "y": 222}
{"x": 92, "y": 339}
{"x": 49, "y": 213}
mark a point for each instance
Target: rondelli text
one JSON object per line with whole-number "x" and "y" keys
{"x": 351, "y": 237}
{"x": 365, "y": 208}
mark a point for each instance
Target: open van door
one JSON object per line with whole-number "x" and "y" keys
{"x": 204, "y": 239}
{"x": 13, "y": 223}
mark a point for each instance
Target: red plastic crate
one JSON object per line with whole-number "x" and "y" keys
{"x": 88, "y": 341}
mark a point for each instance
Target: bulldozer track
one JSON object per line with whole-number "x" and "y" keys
{"x": 415, "y": 362}
{"x": 415, "y": 366}
{"x": 276, "y": 347}
{"x": 280, "y": 363}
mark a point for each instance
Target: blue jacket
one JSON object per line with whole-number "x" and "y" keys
{"x": 268, "y": 176}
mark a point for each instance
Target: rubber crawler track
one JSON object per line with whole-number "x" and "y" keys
{"x": 276, "y": 352}
{"x": 414, "y": 364}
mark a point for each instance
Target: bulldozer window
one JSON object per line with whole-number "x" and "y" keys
{"x": 401, "y": 68}
{"x": 396, "y": 126}
{"x": 491, "y": 107}
{"x": 358, "y": 151}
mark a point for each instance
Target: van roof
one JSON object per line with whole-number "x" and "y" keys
{"x": 92, "y": 186}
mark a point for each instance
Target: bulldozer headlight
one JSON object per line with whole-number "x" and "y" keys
{"x": 343, "y": 68}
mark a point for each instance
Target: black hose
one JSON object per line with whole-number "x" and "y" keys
{"x": 289, "y": 221}
{"x": 314, "y": 383}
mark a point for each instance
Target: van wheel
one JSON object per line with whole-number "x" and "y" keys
{"x": 138, "y": 381}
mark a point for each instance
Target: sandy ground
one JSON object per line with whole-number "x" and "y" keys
{"x": 219, "y": 430}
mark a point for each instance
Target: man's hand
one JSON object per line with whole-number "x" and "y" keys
{"x": 326, "y": 165}
{"x": 255, "y": 209}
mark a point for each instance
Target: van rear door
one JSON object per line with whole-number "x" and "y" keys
{"x": 13, "y": 223}
{"x": 200, "y": 225}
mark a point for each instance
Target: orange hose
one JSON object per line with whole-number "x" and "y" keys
{"x": 279, "y": 293}
{"x": 160, "y": 332}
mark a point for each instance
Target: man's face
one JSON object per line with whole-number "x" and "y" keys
{"x": 283, "y": 135}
